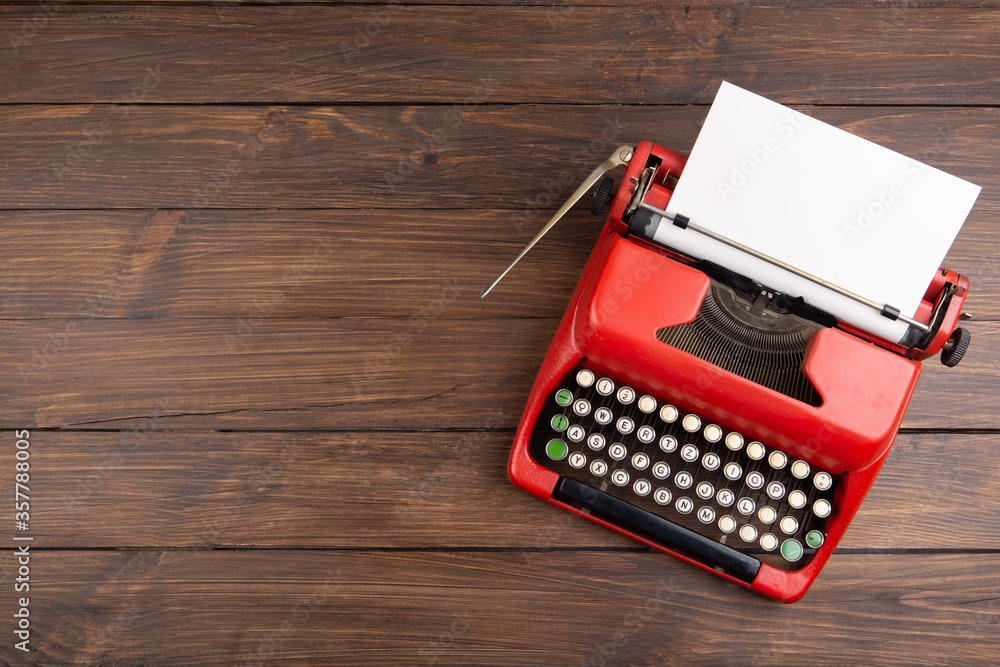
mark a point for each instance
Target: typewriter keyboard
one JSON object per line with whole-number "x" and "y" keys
{"x": 677, "y": 466}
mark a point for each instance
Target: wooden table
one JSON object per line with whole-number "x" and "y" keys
{"x": 268, "y": 415}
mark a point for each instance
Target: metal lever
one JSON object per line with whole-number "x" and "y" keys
{"x": 621, "y": 156}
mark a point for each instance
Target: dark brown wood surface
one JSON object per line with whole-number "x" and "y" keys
{"x": 241, "y": 248}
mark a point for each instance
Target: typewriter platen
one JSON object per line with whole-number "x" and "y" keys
{"x": 706, "y": 415}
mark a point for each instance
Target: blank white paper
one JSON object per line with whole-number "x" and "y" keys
{"x": 839, "y": 207}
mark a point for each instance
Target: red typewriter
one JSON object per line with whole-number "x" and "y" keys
{"x": 705, "y": 415}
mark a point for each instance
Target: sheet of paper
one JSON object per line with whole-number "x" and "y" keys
{"x": 840, "y": 207}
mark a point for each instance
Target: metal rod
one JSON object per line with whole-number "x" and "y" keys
{"x": 882, "y": 308}
{"x": 621, "y": 156}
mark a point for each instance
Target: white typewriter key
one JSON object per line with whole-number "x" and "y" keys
{"x": 596, "y": 442}
{"x": 704, "y": 491}
{"x": 732, "y": 471}
{"x": 640, "y": 461}
{"x": 617, "y": 451}
{"x": 661, "y": 470}
{"x": 789, "y": 525}
{"x": 734, "y": 441}
{"x": 797, "y": 499}
{"x": 619, "y": 477}
{"x": 645, "y": 434}
{"x": 822, "y": 481}
{"x": 777, "y": 460}
{"x": 647, "y": 404}
{"x": 706, "y": 515}
{"x": 746, "y": 506}
{"x": 711, "y": 461}
{"x": 661, "y": 496}
{"x": 767, "y": 514}
{"x": 756, "y": 451}
{"x": 641, "y": 487}
{"x": 689, "y": 453}
{"x": 776, "y": 490}
{"x": 605, "y": 386}
{"x": 584, "y": 378}
{"x": 755, "y": 480}
{"x": 713, "y": 433}
{"x": 668, "y": 413}
{"x": 683, "y": 480}
{"x": 626, "y": 395}
{"x": 727, "y": 524}
{"x": 800, "y": 469}
{"x": 668, "y": 443}
{"x": 598, "y": 468}
{"x": 582, "y": 407}
{"x": 603, "y": 416}
{"x": 684, "y": 505}
{"x": 691, "y": 423}
{"x": 768, "y": 542}
{"x": 725, "y": 497}
{"x": 575, "y": 433}
{"x": 577, "y": 460}
{"x": 748, "y": 533}
{"x": 625, "y": 425}
{"x": 821, "y": 508}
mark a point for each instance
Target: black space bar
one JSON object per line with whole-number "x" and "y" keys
{"x": 739, "y": 565}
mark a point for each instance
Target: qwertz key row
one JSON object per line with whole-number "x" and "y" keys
{"x": 709, "y": 479}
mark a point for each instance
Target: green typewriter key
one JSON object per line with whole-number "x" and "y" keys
{"x": 564, "y": 397}
{"x": 791, "y": 550}
{"x": 556, "y": 449}
{"x": 814, "y": 539}
{"x": 559, "y": 422}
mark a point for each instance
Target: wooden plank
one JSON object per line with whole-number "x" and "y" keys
{"x": 441, "y": 490}
{"x": 322, "y": 607}
{"x": 304, "y": 263}
{"x": 339, "y": 374}
{"x": 525, "y": 158}
{"x": 637, "y": 55}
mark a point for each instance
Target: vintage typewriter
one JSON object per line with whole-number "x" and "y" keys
{"x": 706, "y": 415}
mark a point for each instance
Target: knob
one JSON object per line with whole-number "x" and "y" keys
{"x": 954, "y": 349}
{"x": 601, "y": 196}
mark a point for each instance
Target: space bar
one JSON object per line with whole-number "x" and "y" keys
{"x": 739, "y": 565}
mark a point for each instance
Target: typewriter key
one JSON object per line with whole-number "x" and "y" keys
{"x": 661, "y": 470}
{"x": 777, "y": 460}
{"x": 598, "y": 468}
{"x": 668, "y": 413}
{"x": 668, "y": 443}
{"x": 725, "y": 497}
{"x": 746, "y": 506}
{"x": 617, "y": 451}
{"x": 626, "y": 395}
{"x": 647, "y": 404}
{"x": 691, "y": 423}
{"x": 800, "y": 469}
{"x": 711, "y": 461}
{"x": 821, "y": 508}
{"x": 814, "y": 539}
{"x": 789, "y": 525}
{"x": 584, "y": 378}
{"x": 733, "y": 471}
{"x": 564, "y": 397}
{"x": 748, "y": 533}
{"x": 556, "y": 449}
{"x": 640, "y": 461}
{"x": 767, "y": 515}
{"x": 577, "y": 460}
{"x": 705, "y": 491}
{"x": 791, "y": 550}
{"x": 683, "y": 480}
{"x": 596, "y": 442}
{"x": 619, "y": 477}
{"x": 684, "y": 505}
{"x": 575, "y": 433}
{"x": 689, "y": 453}
{"x": 734, "y": 441}
{"x": 603, "y": 416}
{"x": 755, "y": 480}
{"x": 727, "y": 524}
{"x": 706, "y": 515}
{"x": 713, "y": 433}
{"x": 755, "y": 450}
{"x": 605, "y": 386}
{"x": 797, "y": 499}
{"x": 776, "y": 490}
{"x": 662, "y": 496}
{"x": 582, "y": 407}
{"x": 625, "y": 425}
{"x": 768, "y": 542}
{"x": 559, "y": 422}
{"x": 641, "y": 487}
{"x": 822, "y": 481}
{"x": 645, "y": 434}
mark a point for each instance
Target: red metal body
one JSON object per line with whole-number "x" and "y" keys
{"x": 629, "y": 289}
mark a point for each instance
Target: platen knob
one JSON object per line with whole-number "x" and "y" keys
{"x": 601, "y": 196}
{"x": 954, "y": 349}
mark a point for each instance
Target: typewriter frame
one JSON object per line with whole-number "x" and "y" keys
{"x": 631, "y": 287}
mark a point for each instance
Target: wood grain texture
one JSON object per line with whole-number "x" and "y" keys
{"x": 439, "y": 489}
{"x": 522, "y": 158}
{"x": 339, "y": 374}
{"x": 645, "y": 55}
{"x": 321, "y": 607}
{"x": 234, "y": 264}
